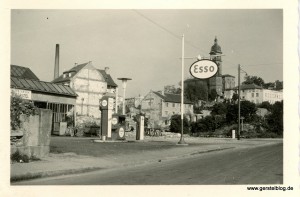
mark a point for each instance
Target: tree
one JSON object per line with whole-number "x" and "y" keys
{"x": 254, "y": 79}
{"x": 275, "y": 119}
{"x": 212, "y": 95}
{"x": 219, "y": 109}
{"x": 195, "y": 92}
{"x": 176, "y": 124}
{"x": 265, "y": 105}
{"x": 235, "y": 97}
{"x": 171, "y": 89}
{"x": 248, "y": 111}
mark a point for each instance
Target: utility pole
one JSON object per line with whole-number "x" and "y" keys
{"x": 181, "y": 141}
{"x": 239, "y": 101}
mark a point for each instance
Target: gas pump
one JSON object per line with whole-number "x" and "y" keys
{"x": 140, "y": 131}
{"x": 106, "y": 107}
{"x": 118, "y": 127}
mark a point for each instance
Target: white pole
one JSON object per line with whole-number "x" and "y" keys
{"x": 124, "y": 89}
{"x": 116, "y": 104}
{"x": 182, "y": 88}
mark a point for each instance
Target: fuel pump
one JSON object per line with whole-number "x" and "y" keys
{"x": 106, "y": 107}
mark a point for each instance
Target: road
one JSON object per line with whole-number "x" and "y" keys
{"x": 260, "y": 165}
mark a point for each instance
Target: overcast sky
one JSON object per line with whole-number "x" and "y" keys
{"x": 145, "y": 45}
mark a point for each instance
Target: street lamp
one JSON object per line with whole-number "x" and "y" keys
{"x": 239, "y": 100}
{"x": 124, "y": 82}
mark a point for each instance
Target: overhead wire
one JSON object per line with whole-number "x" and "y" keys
{"x": 190, "y": 43}
{"x": 166, "y": 30}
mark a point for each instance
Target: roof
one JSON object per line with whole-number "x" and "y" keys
{"x": 41, "y": 86}
{"x": 75, "y": 69}
{"x": 248, "y": 86}
{"x": 22, "y": 72}
{"x": 227, "y": 75}
{"x": 215, "y": 48}
{"x": 67, "y": 78}
{"x": 172, "y": 98}
{"x": 108, "y": 79}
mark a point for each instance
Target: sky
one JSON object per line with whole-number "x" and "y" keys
{"x": 146, "y": 45}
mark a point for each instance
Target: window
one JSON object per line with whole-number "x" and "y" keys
{"x": 173, "y": 104}
{"x": 257, "y": 94}
{"x": 167, "y": 104}
{"x": 252, "y": 94}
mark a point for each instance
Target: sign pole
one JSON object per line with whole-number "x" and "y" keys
{"x": 181, "y": 141}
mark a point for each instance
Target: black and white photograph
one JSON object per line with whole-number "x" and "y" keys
{"x": 169, "y": 97}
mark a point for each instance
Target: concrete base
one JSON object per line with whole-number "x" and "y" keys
{"x": 109, "y": 141}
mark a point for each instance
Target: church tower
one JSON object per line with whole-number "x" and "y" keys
{"x": 215, "y": 82}
{"x": 215, "y": 55}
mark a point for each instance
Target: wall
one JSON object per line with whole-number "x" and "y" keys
{"x": 90, "y": 86}
{"x": 36, "y": 134}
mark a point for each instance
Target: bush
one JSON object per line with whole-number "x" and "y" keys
{"x": 176, "y": 124}
{"x": 18, "y": 157}
{"x": 20, "y": 106}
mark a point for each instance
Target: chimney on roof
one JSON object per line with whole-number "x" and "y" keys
{"x": 106, "y": 70}
{"x": 56, "y": 65}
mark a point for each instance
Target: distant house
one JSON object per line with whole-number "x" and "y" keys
{"x": 90, "y": 84}
{"x": 160, "y": 106}
{"x": 57, "y": 97}
{"x": 256, "y": 94}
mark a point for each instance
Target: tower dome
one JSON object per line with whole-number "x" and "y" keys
{"x": 215, "y": 49}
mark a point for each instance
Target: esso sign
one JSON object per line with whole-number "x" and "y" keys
{"x": 203, "y": 69}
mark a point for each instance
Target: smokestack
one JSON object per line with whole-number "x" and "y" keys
{"x": 107, "y": 70}
{"x": 56, "y": 66}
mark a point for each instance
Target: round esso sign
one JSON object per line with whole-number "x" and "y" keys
{"x": 203, "y": 69}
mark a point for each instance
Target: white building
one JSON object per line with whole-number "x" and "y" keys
{"x": 255, "y": 94}
{"x": 90, "y": 84}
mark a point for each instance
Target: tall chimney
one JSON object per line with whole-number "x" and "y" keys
{"x": 107, "y": 70}
{"x": 56, "y": 66}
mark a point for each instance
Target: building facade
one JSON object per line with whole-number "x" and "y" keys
{"x": 90, "y": 84}
{"x": 160, "y": 106}
{"x": 256, "y": 94}
{"x": 59, "y": 98}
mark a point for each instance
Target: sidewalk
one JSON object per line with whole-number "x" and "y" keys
{"x": 69, "y": 163}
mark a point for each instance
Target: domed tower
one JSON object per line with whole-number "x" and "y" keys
{"x": 215, "y": 82}
{"x": 215, "y": 55}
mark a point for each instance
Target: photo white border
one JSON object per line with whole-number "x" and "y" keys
{"x": 291, "y": 98}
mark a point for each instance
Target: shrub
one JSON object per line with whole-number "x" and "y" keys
{"x": 18, "y": 157}
{"x": 20, "y": 106}
{"x": 176, "y": 124}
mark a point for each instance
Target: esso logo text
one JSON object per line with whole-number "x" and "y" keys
{"x": 203, "y": 69}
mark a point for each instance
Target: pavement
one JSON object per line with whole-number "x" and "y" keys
{"x": 150, "y": 150}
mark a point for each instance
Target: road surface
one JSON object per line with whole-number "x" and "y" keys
{"x": 260, "y": 165}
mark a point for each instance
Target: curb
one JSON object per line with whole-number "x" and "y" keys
{"x": 36, "y": 175}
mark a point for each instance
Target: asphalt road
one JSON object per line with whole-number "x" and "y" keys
{"x": 260, "y": 165}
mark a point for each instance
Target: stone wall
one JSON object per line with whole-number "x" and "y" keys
{"x": 36, "y": 131}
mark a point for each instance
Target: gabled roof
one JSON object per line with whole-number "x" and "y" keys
{"x": 76, "y": 69}
{"x": 108, "y": 79}
{"x": 22, "y": 72}
{"x": 41, "y": 86}
{"x": 172, "y": 98}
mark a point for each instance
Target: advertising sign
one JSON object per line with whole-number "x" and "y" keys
{"x": 203, "y": 69}
{"x": 24, "y": 94}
